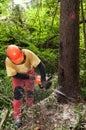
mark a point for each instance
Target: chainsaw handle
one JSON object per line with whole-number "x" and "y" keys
{"x": 46, "y": 83}
{"x": 38, "y": 80}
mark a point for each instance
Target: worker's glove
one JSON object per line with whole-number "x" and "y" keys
{"x": 32, "y": 77}
{"x": 46, "y": 84}
{"x": 43, "y": 84}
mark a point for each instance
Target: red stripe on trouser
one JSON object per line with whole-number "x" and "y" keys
{"x": 17, "y": 107}
{"x": 29, "y": 85}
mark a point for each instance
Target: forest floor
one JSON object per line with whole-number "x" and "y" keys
{"x": 49, "y": 114}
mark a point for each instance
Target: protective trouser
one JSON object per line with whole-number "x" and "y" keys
{"x": 18, "y": 87}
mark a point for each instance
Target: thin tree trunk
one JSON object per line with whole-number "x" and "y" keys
{"x": 83, "y": 18}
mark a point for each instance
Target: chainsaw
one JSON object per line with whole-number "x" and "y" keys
{"x": 38, "y": 82}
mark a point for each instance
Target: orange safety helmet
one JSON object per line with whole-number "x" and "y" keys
{"x": 15, "y": 54}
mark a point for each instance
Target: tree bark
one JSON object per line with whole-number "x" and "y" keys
{"x": 68, "y": 72}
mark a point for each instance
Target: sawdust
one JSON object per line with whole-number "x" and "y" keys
{"x": 49, "y": 114}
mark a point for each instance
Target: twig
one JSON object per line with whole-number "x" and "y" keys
{"x": 3, "y": 119}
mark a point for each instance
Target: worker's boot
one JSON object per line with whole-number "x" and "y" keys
{"x": 18, "y": 121}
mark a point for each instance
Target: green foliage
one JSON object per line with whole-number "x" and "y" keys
{"x": 4, "y": 7}
{"x": 48, "y": 56}
{"x": 40, "y": 94}
{"x": 83, "y": 73}
{"x": 82, "y": 55}
{"x": 83, "y": 83}
{"x": 34, "y": 27}
{"x": 2, "y": 58}
{"x": 50, "y": 60}
{"x": 5, "y": 90}
{"x": 82, "y": 64}
{"x": 82, "y": 59}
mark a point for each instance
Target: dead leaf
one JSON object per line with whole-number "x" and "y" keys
{"x": 85, "y": 126}
{"x": 55, "y": 125}
{"x": 37, "y": 121}
{"x": 37, "y": 128}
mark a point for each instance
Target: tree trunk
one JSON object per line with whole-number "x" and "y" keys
{"x": 68, "y": 73}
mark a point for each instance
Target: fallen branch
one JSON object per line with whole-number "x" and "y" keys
{"x": 3, "y": 118}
